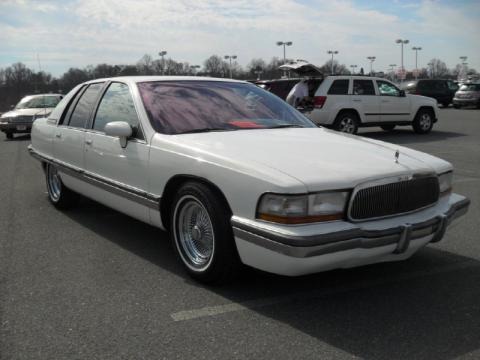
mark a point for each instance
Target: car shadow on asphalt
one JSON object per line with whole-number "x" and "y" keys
{"x": 424, "y": 308}
{"x": 407, "y": 136}
{"x": 23, "y": 137}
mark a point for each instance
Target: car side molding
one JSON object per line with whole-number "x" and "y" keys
{"x": 136, "y": 195}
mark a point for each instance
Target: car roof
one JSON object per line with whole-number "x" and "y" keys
{"x": 38, "y": 95}
{"x": 141, "y": 79}
{"x": 355, "y": 77}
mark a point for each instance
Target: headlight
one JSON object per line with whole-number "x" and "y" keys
{"x": 299, "y": 209}
{"x": 445, "y": 182}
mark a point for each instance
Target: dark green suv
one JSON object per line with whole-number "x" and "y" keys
{"x": 441, "y": 90}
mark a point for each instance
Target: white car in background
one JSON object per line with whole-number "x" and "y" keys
{"x": 20, "y": 119}
{"x": 238, "y": 176}
{"x": 349, "y": 102}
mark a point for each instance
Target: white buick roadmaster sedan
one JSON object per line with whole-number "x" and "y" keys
{"x": 238, "y": 176}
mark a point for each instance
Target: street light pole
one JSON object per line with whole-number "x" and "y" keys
{"x": 353, "y": 68}
{"x": 284, "y": 44}
{"x": 162, "y": 54}
{"x": 416, "y": 49}
{"x": 332, "y": 52}
{"x": 372, "y": 59}
{"x": 402, "y": 42}
{"x": 430, "y": 65}
{"x": 230, "y": 57}
{"x": 464, "y": 63}
{"x": 392, "y": 67}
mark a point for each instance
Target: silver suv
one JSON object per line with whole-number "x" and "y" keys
{"x": 468, "y": 94}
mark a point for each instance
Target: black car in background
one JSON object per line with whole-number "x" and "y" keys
{"x": 279, "y": 87}
{"x": 302, "y": 69}
{"x": 441, "y": 90}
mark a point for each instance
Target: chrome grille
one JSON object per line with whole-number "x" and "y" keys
{"x": 22, "y": 119}
{"x": 394, "y": 198}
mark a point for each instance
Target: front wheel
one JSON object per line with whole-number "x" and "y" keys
{"x": 346, "y": 122}
{"x": 202, "y": 235}
{"x": 456, "y": 106}
{"x": 423, "y": 122}
{"x": 60, "y": 196}
{"x": 9, "y": 135}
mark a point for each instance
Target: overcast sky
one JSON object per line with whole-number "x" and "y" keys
{"x": 76, "y": 33}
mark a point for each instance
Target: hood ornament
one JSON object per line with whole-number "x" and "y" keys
{"x": 397, "y": 155}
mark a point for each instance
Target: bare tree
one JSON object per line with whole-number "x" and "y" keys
{"x": 438, "y": 69}
{"x": 215, "y": 66}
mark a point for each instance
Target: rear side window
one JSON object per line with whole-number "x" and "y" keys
{"x": 117, "y": 105}
{"x": 62, "y": 105}
{"x": 339, "y": 87}
{"x": 425, "y": 85}
{"x": 84, "y": 107}
{"x": 363, "y": 87}
{"x": 440, "y": 85}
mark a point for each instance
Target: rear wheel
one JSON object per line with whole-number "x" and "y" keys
{"x": 456, "y": 106}
{"x": 202, "y": 235}
{"x": 59, "y": 195}
{"x": 423, "y": 122}
{"x": 9, "y": 135}
{"x": 346, "y": 122}
{"x": 388, "y": 127}
{"x": 445, "y": 104}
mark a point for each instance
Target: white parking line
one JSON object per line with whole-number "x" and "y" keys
{"x": 302, "y": 296}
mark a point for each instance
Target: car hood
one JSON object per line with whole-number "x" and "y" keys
{"x": 27, "y": 112}
{"x": 319, "y": 158}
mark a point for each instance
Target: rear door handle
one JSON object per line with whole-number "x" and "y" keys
{"x": 88, "y": 142}
{"x": 357, "y": 100}
{"x": 58, "y": 135}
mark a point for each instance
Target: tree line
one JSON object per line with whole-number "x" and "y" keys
{"x": 17, "y": 80}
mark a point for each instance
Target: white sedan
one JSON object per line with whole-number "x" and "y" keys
{"x": 238, "y": 176}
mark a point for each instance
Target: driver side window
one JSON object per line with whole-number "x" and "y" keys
{"x": 117, "y": 105}
{"x": 387, "y": 89}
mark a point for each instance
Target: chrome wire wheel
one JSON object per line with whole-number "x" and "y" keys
{"x": 347, "y": 125}
{"x": 54, "y": 184}
{"x": 425, "y": 121}
{"x": 194, "y": 234}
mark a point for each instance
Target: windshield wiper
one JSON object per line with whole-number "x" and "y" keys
{"x": 202, "y": 130}
{"x": 284, "y": 126}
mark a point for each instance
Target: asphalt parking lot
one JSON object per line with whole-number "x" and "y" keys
{"x": 92, "y": 283}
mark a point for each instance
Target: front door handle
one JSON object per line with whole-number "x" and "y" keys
{"x": 88, "y": 142}
{"x": 59, "y": 135}
{"x": 357, "y": 100}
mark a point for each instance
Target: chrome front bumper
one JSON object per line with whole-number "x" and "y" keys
{"x": 343, "y": 244}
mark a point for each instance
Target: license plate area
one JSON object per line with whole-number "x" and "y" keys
{"x": 21, "y": 127}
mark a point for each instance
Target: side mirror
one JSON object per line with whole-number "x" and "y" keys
{"x": 12, "y": 107}
{"x": 120, "y": 129}
{"x": 402, "y": 93}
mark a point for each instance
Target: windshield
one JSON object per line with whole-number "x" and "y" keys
{"x": 195, "y": 106}
{"x": 38, "y": 102}
{"x": 470, "y": 87}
